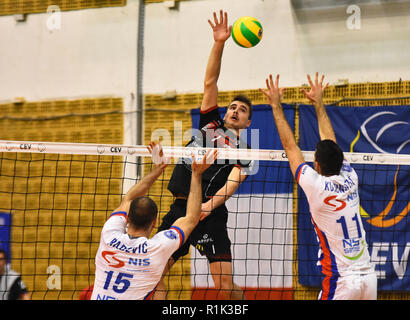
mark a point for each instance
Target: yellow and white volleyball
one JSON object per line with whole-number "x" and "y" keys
{"x": 247, "y": 32}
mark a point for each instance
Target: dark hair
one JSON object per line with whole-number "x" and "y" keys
{"x": 329, "y": 156}
{"x": 143, "y": 211}
{"x": 246, "y": 100}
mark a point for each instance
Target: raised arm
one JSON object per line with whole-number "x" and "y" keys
{"x": 193, "y": 210}
{"x": 142, "y": 187}
{"x": 221, "y": 33}
{"x": 315, "y": 95}
{"x": 274, "y": 97}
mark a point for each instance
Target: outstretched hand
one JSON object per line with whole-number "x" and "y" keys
{"x": 273, "y": 93}
{"x": 317, "y": 88}
{"x": 157, "y": 153}
{"x": 208, "y": 159}
{"x": 220, "y": 28}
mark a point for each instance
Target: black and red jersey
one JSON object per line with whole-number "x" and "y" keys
{"x": 212, "y": 134}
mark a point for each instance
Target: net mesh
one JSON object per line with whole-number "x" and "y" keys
{"x": 58, "y": 196}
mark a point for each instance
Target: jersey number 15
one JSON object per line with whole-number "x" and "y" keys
{"x": 121, "y": 284}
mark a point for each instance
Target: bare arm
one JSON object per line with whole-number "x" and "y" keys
{"x": 221, "y": 33}
{"x": 274, "y": 96}
{"x": 235, "y": 178}
{"x": 142, "y": 187}
{"x": 315, "y": 95}
{"x": 193, "y": 210}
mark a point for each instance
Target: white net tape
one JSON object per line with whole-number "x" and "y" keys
{"x": 177, "y": 152}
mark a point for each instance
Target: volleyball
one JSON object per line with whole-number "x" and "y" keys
{"x": 247, "y": 32}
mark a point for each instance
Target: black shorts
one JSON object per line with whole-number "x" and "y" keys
{"x": 210, "y": 237}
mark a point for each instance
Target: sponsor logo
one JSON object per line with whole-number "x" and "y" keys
{"x": 352, "y": 246}
{"x": 170, "y": 234}
{"x": 335, "y": 203}
{"x": 112, "y": 261}
{"x": 385, "y": 217}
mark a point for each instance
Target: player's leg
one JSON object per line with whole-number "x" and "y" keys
{"x": 217, "y": 249}
{"x": 222, "y": 275}
{"x": 341, "y": 288}
{"x": 329, "y": 286}
{"x": 369, "y": 291}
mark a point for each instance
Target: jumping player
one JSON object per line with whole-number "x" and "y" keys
{"x": 220, "y": 181}
{"x": 332, "y": 192}
{"x": 129, "y": 264}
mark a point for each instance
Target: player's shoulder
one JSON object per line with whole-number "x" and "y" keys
{"x": 210, "y": 118}
{"x": 304, "y": 170}
{"x": 348, "y": 171}
{"x": 346, "y": 167}
{"x": 174, "y": 233}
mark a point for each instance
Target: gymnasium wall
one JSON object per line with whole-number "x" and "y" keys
{"x": 87, "y": 53}
{"x": 296, "y": 41}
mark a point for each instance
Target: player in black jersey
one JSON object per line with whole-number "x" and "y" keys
{"x": 220, "y": 181}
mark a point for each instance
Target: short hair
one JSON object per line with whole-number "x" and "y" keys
{"x": 329, "y": 156}
{"x": 143, "y": 211}
{"x": 246, "y": 100}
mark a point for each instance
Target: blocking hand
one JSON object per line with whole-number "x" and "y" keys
{"x": 220, "y": 28}
{"x": 317, "y": 88}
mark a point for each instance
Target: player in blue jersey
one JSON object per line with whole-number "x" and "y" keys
{"x": 331, "y": 188}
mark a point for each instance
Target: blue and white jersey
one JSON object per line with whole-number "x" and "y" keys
{"x": 130, "y": 268}
{"x": 335, "y": 213}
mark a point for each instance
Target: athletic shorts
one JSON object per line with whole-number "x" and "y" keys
{"x": 351, "y": 287}
{"x": 210, "y": 237}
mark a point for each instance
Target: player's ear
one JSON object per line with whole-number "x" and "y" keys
{"x": 317, "y": 167}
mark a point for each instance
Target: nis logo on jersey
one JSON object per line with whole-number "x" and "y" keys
{"x": 115, "y": 262}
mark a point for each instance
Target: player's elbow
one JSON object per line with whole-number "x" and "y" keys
{"x": 193, "y": 219}
{"x": 187, "y": 224}
{"x": 210, "y": 84}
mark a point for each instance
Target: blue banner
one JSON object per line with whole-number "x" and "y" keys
{"x": 384, "y": 189}
{"x": 5, "y": 227}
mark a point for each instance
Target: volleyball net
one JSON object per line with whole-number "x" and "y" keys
{"x": 55, "y": 198}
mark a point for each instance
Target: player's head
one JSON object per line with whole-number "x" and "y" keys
{"x": 328, "y": 158}
{"x": 143, "y": 213}
{"x": 239, "y": 113}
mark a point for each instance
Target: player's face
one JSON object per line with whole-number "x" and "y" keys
{"x": 237, "y": 115}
